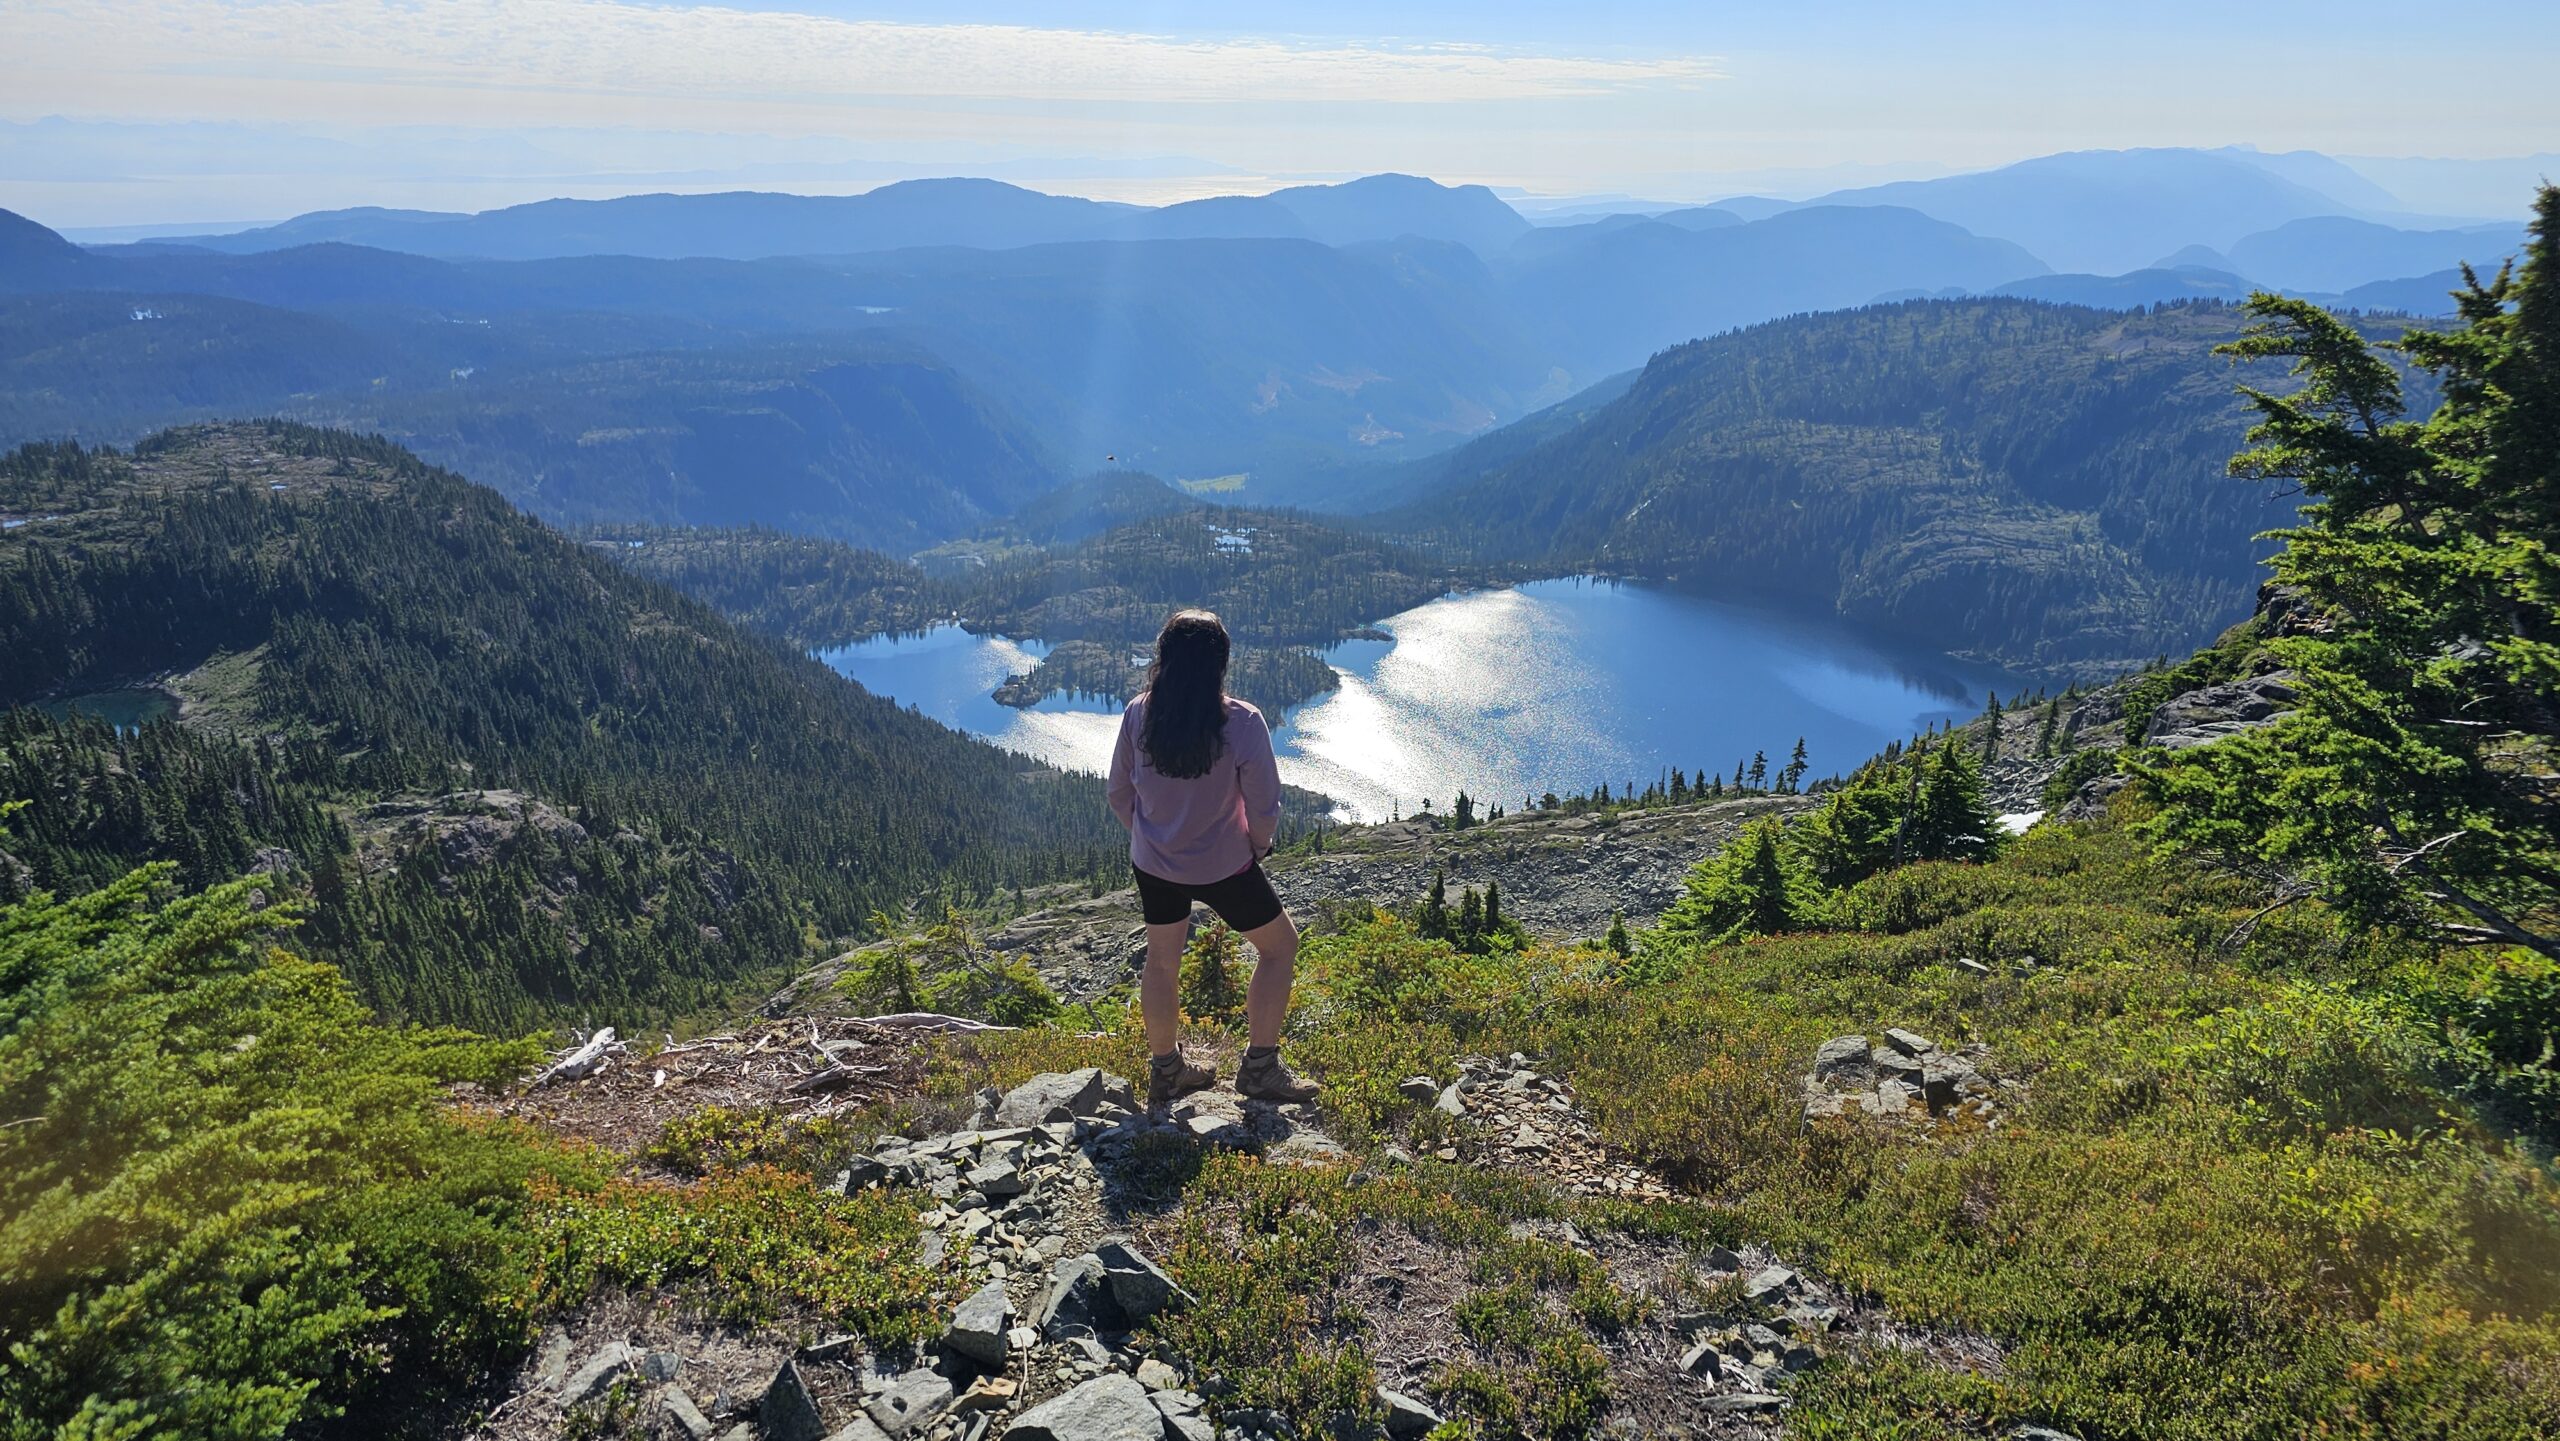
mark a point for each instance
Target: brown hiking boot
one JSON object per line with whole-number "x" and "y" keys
{"x": 1170, "y": 1077}
{"x": 1264, "y": 1077}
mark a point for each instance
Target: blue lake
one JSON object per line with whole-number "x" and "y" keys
{"x": 1555, "y": 686}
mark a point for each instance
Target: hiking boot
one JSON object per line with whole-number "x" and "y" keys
{"x": 1170, "y": 1077}
{"x": 1264, "y": 1077}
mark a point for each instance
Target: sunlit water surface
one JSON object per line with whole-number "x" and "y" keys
{"x": 1554, "y": 686}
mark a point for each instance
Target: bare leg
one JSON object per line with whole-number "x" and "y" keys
{"x": 1275, "y": 969}
{"x": 1160, "y": 985}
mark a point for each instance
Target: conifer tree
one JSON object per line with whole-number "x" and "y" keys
{"x": 1759, "y": 770}
{"x": 2413, "y": 784}
{"x": 1433, "y": 923}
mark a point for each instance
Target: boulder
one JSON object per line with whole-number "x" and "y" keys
{"x": 1909, "y": 1043}
{"x": 1452, "y": 1102}
{"x": 1138, "y": 1286}
{"x": 1055, "y": 1096}
{"x": 978, "y": 1328}
{"x": 1078, "y": 1300}
{"x": 1768, "y": 1283}
{"x": 1421, "y": 1090}
{"x": 685, "y": 1415}
{"x": 788, "y": 1412}
{"x": 1406, "y": 1417}
{"x": 1844, "y": 1060}
{"x": 1704, "y": 1360}
{"x": 1941, "y": 1077}
{"x": 914, "y": 1400}
{"x": 1157, "y": 1376}
{"x": 1112, "y": 1407}
{"x": 610, "y": 1363}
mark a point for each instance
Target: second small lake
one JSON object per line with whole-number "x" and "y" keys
{"x": 1554, "y": 686}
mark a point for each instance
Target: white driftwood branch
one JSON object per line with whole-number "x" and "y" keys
{"x": 932, "y": 1021}
{"x": 584, "y": 1061}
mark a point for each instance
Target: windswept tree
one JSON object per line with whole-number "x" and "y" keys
{"x": 2415, "y": 783}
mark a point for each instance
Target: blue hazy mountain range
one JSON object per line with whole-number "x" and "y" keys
{"x": 902, "y": 366}
{"x": 981, "y": 214}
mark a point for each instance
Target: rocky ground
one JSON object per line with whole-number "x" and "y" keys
{"x": 1562, "y": 877}
{"x": 1042, "y": 1214}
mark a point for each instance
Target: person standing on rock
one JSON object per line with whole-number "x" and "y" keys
{"x": 1194, "y": 780}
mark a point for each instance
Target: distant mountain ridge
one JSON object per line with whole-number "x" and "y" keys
{"x": 979, "y": 214}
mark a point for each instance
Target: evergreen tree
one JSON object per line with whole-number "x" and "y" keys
{"x": 2412, "y": 785}
{"x": 1433, "y": 923}
{"x": 1617, "y": 940}
{"x": 1791, "y": 778}
{"x": 1991, "y": 729}
{"x": 1759, "y": 770}
{"x": 1755, "y": 885}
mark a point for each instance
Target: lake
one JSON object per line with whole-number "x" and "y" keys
{"x": 1554, "y": 686}
{"x": 127, "y": 710}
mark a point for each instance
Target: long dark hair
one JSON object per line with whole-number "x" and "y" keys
{"x": 1186, "y": 722}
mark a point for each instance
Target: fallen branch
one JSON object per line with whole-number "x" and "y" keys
{"x": 835, "y": 1077}
{"x": 931, "y": 1021}
{"x": 585, "y": 1060}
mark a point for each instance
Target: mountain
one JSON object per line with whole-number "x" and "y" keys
{"x": 2163, "y": 285}
{"x": 1389, "y": 207}
{"x": 2107, "y": 211}
{"x": 2333, "y": 253}
{"x": 2037, "y": 485}
{"x": 32, "y": 257}
{"x": 980, "y": 214}
{"x": 395, "y": 633}
{"x": 1624, "y": 292}
{"x": 2416, "y": 295}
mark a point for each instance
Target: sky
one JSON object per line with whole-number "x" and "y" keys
{"x": 118, "y": 112}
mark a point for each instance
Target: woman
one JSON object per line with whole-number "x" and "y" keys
{"x": 1194, "y": 780}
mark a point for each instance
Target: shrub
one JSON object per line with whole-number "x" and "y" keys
{"x": 231, "y": 1204}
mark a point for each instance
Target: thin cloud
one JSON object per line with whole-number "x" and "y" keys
{"x": 557, "y": 51}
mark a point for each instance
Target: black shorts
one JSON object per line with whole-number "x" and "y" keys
{"x": 1245, "y": 900}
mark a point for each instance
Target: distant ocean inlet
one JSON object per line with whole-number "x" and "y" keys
{"x": 1559, "y": 685}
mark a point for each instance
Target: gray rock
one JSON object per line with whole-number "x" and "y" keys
{"x": 859, "y": 1429}
{"x": 1941, "y": 1077}
{"x": 1055, "y": 1096}
{"x": 1747, "y": 1403}
{"x": 1970, "y": 966}
{"x": 2038, "y": 1433}
{"x": 1138, "y": 1286}
{"x": 978, "y": 1327}
{"x": 1909, "y": 1043}
{"x": 788, "y": 1412}
{"x": 1406, "y": 1417}
{"x": 1844, "y": 1060}
{"x": 1078, "y": 1300}
{"x": 688, "y": 1418}
{"x": 931, "y": 1247}
{"x": 1452, "y": 1101}
{"x": 661, "y": 1365}
{"x": 915, "y": 1399}
{"x": 555, "y": 1363}
{"x": 1421, "y": 1090}
{"x": 610, "y": 1363}
{"x": 998, "y": 1181}
{"x": 1704, "y": 1360}
{"x": 1721, "y": 1258}
{"x": 1112, "y": 1407}
{"x": 861, "y": 1171}
{"x": 1157, "y": 1376}
{"x": 1189, "y": 1426}
{"x": 1895, "y": 1065}
{"x": 1768, "y": 1282}
{"x": 1895, "y": 1097}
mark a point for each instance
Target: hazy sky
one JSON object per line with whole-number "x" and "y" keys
{"x": 165, "y": 110}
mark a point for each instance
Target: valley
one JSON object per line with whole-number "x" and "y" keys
{"x": 1910, "y": 807}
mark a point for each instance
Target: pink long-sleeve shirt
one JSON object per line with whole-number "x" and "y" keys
{"x": 1204, "y": 828}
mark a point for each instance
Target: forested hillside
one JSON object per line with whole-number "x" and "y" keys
{"x": 2032, "y": 484}
{"x": 376, "y": 633}
{"x": 1285, "y": 582}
